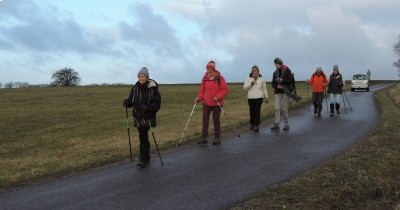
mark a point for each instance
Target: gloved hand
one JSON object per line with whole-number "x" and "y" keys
{"x": 144, "y": 108}
{"x": 266, "y": 100}
{"x": 341, "y": 84}
{"x": 126, "y": 103}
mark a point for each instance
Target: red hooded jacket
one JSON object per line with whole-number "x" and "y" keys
{"x": 213, "y": 88}
{"x": 318, "y": 82}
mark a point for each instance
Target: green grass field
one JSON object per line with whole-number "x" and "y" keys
{"x": 50, "y": 132}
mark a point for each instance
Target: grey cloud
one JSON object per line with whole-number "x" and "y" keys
{"x": 32, "y": 27}
{"x": 332, "y": 35}
{"x": 151, "y": 31}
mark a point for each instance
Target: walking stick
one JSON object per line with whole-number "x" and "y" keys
{"x": 129, "y": 133}
{"x": 347, "y": 100}
{"x": 308, "y": 97}
{"x": 344, "y": 103}
{"x": 155, "y": 142}
{"x": 223, "y": 111}
{"x": 326, "y": 102}
{"x": 194, "y": 106}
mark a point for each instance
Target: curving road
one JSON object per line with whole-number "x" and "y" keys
{"x": 209, "y": 177}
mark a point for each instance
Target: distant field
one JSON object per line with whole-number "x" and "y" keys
{"x": 48, "y": 132}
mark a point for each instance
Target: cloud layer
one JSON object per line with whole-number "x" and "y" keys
{"x": 175, "y": 40}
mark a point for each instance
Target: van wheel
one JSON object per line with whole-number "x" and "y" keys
{"x": 367, "y": 89}
{"x": 352, "y": 89}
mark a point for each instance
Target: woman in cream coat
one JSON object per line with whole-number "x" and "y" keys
{"x": 257, "y": 93}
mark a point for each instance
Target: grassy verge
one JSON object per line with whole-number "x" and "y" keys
{"x": 366, "y": 177}
{"x": 50, "y": 132}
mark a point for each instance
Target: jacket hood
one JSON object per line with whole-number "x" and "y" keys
{"x": 150, "y": 83}
{"x": 322, "y": 73}
{"x": 217, "y": 74}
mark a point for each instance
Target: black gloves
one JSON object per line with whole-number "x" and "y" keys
{"x": 341, "y": 84}
{"x": 127, "y": 104}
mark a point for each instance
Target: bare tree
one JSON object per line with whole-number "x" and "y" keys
{"x": 9, "y": 85}
{"x": 65, "y": 77}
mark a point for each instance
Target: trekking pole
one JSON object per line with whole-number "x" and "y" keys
{"x": 344, "y": 104}
{"x": 155, "y": 142}
{"x": 223, "y": 111}
{"x": 129, "y": 133}
{"x": 347, "y": 100}
{"x": 326, "y": 102}
{"x": 232, "y": 125}
{"x": 308, "y": 97}
{"x": 194, "y": 106}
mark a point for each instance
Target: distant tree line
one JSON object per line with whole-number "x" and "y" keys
{"x": 396, "y": 49}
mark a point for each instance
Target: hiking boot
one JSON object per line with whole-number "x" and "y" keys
{"x": 202, "y": 141}
{"x": 337, "y": 106}
{"x": 286, "y": 128}
{"x": 319, "y": 115}
{"x": 331, "y": 114}
{"x": 275, "y": 127}
{"x": 217, "y": 141}
{"x": 142, "y": 164}
{"x": 256, "y": 129}
{"x": 251, "y": 127}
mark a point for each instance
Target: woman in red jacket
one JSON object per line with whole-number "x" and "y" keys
{"x": 212, "y": 92}
{"x": 318, "y": 81}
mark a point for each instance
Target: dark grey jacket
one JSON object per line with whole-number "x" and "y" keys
{"x": 146, "y": 101}
{"x": 287, "y": 79}
{"x": 335, "y": 84}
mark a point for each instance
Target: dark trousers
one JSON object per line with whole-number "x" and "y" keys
{"x": 255, "y": 110}
{"x": 216, "y": 112}
{"x": 317, "y": 101}
{"x": 144, "y": 143}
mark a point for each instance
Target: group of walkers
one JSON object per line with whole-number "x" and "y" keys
{"x": 319, "y": 82}
{"x": 145, "y": 100}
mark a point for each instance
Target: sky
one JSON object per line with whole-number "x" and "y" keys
{"x": 109, "y": 41}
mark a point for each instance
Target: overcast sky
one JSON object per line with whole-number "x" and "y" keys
{"x": 109, "y": 41}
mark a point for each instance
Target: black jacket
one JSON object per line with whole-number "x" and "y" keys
{"x": 287, "y": 79}
{"x": 146, "y": 101}
{"x": 335, "y": 84}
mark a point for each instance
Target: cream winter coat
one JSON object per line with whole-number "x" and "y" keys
{"x": 258, "y": 90}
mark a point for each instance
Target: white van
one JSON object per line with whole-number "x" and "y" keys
{"x": 360, "y": 81}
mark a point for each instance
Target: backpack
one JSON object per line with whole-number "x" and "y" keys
{"x": 292, "y": 86}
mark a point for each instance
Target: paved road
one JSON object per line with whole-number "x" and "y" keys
{"x": 208, "y": 177}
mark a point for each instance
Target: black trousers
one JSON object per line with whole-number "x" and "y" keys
{"x": 144, "y": 143}
{"x": 255, "y": 110}
{"x": 317, "y": 101}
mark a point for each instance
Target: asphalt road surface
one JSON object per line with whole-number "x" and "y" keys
{"x": 209, "y": 177}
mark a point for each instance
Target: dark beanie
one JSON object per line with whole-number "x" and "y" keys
{"x": 335, "y": 67}
{"x": 144, "y": 71}
{"x": 278, "y": 61}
